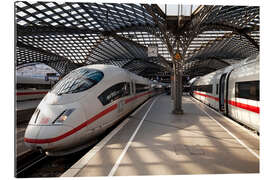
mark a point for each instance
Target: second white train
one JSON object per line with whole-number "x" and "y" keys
{"x": 233, "y": 90}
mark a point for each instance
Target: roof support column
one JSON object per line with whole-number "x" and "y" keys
{"x": 172, "y": 85}
{"x": 177, "y": 59}
{"x": 177, "y": 87}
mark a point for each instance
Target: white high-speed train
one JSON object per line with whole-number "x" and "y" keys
{"x": 233, "y": 90}
{"x": 82, "y": 105}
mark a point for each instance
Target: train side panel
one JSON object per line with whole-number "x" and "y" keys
{"x": 245, "y": 107}
{"x": 28, "y": 88}
{"x": 28, "y": 94}
{"x": 205, "y": 89}
{"x": 240, "y": 92}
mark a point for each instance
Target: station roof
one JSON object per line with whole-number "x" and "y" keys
{"x": 69, "y": 35}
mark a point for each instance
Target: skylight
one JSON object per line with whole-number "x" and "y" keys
{"x": 178, "y": 9}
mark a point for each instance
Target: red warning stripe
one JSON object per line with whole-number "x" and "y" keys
{"x": 245, "y": 106}
{"x": 135, "y": 97}
{"x": 205, "y": 95}
{"x": 86, "y": 123}
{"x": 234, "y": 103}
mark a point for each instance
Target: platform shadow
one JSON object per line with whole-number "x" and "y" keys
{"x": 179, "y": 144}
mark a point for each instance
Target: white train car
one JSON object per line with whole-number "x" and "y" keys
{"x": 243, "y": 96}
{"x": 82, "y": 105}
{"x": 233, "y": 90}
{"x": 28, "y": 88}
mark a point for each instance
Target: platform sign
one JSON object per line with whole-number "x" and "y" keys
{"x": 51, "y": 76}
{"x": 177, "y": 56}
{"x": 152, "y": 51}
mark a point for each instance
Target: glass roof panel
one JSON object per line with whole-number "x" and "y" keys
{"x": 178, "y": 9}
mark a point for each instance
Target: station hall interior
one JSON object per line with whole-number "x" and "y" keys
{"x": 160, "y": 89}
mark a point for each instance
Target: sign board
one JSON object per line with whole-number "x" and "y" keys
{"x": 51, "y": 76}
{"x": 152, "y": 51}
{"x": 177, "y": 56}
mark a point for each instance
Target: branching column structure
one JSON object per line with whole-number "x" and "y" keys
{"x": 177, "y": 60}
{"x": 69, "y": 35}
{"x": 177, "y": 65}
{"x": 177, "y": 87}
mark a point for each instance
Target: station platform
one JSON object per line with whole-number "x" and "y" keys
{"x": 153, "y": 141}
{"x": 21, "y": 148}
{"x": 24, "y": 112}
{"x": 24, "y": 105}
{"x": 25, "y": 109}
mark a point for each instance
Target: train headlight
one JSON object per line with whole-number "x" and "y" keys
{"x": 63, "y": 116}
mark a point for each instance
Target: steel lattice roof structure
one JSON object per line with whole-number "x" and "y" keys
{"x": 71, "y": 34}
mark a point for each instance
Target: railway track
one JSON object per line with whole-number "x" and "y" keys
{"x": 36, "y": 164}
{"x": 28, "y": 161}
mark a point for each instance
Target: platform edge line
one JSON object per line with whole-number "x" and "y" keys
{"x": 228, "y": 119}
{"x": 116, "y": 165}
{"x": 243, "y": 144}
{"x": 74, "y": 169}
{"x": 85, "y": 159}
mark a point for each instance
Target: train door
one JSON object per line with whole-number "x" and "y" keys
{"x": 132, "y": 87}
{"x": 121, "y": 106}
{"x": 133, "y": 90}
{"x": 222, "y": 92}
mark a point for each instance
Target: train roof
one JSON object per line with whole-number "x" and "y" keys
{"x": 193, "y": 80}
{"x": 249, "y": 60}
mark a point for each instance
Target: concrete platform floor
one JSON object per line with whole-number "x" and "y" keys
{"x": 24, "y": 105}
{"x": 155, "y": 142}
{"x": 21, "y": 148}
{"x": 24, "y": 112}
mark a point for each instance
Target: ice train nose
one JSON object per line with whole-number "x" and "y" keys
{"x": 31, "y": 134}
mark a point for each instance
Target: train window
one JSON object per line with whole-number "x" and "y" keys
{"x": 248, "y": 90}
{"x": 141, "y": 88}
{"x": 209, "y": 88}
{"x": 204, "y": 88}
{"x": 217, "y": 89}
{"x": 115, "y": 92}
{"x": 77, "y": 81}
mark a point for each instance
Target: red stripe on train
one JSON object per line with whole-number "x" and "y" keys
{"x": 205, "y": 95}
{"x": 245, "y": 106}
{"x": 135, "y": 97}
{"x": 234, "y": 103}
{"x": 30, "y": 93}
{"x": 86, "y": 123}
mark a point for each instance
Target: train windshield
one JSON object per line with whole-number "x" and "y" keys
{"x": 77, "y": 81}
